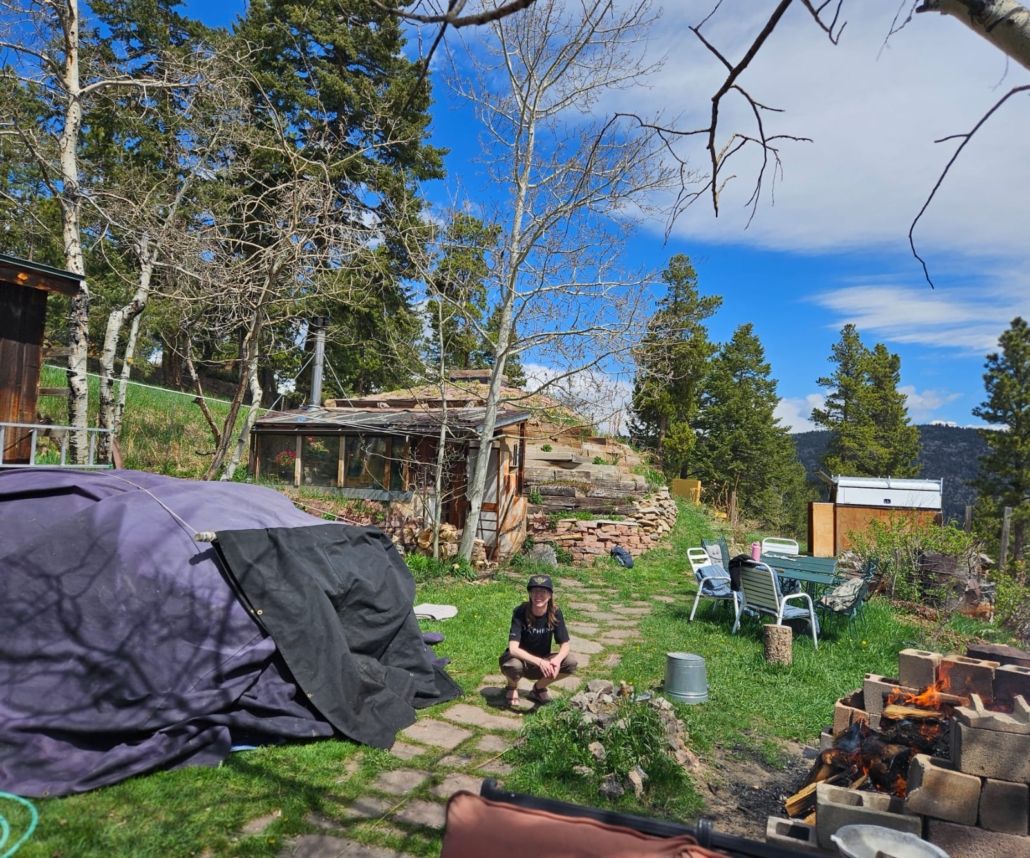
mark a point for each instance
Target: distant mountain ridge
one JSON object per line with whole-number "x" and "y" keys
{"x": 951, "y": 453}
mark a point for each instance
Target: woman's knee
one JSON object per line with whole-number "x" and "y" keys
{"x": 512, "y": 668}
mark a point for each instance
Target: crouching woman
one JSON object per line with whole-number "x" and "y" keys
{"x": 534, "y": 625}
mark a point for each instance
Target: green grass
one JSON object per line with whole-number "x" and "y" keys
{"x": 752, "y": 708}
{"x": 164, "y": 430}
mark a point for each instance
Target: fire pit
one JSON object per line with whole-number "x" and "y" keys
{"x": 952, "y": 752}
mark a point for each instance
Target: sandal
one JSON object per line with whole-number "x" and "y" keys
{"x": 539, "y": 695}
{"x": 511, "y": 695}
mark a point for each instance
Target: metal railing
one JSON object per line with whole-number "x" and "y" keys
{"x": 49, "y": 430}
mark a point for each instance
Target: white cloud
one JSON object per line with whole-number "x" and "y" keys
{"x": 963, "y": 318}
{"x": 872, "y": 114}
{"x": 592, "y": 393}
{"x": 923, "y": 404}
{"x": 796, "y": 413}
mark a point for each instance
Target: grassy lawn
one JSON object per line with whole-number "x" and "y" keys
{"x": 164, "y": 430}
{"x": 199, "y": 811}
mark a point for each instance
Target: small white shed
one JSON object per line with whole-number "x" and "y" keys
{"x": 856, "y": 502}
{"x": 888, "y": 492}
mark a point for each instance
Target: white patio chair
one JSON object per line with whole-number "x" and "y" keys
{"x": 781, "y": 545}
{"x": 713, "y": 582}
{"x": 760, "y": 594}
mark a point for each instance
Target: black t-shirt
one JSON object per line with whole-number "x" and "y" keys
{"x": 532, "y": 632}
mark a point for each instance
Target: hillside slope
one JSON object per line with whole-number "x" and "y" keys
{"x": 950, "y": 453}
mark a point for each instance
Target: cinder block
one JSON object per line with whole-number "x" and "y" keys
{"x": 967, "y": 676}
{"x": 961, "y": 841}
{"x": 875, "y": 687}
{"x": 991, "y": 753}
{"x": 848, "y": 710}
{"x": 936, "y": 790}
{"x": 795, "y": 835}
{"x": 1010, "y": 680}
{"x": 1001, "y": 653}
{"x": 1003, "y": 807}
{"x": 917, "y": 668}
{"x": 836, "y": 806}
{"x": 825, "y": 740}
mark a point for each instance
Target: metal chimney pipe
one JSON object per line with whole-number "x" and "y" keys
{"x": 318, "y": 324}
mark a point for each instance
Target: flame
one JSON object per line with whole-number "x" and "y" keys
{"x": 900, "y": 787}
{"x": 928, "y": 698}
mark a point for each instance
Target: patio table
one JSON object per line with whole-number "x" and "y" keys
{"x": 815, "y": 574}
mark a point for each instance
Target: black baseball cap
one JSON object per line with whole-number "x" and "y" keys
{"x": 540, "y": 581}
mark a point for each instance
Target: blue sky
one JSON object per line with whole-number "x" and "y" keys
{"x": 832, "y": 247}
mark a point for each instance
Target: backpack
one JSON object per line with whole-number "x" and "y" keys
{"x": 622, "y": 556}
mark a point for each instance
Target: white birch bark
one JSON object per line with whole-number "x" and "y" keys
{"x": 1003, "y": 23}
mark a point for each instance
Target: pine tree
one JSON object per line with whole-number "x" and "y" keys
{"x": 870, "y": 433}
{"x": 345, "y": 78}
{"x": 1004, "y": 479}
{"x": 741, "y": 448}
{"x": 895, "y": 451}
{"x": 456, "y": 316}
{"x": 671, "y": 361}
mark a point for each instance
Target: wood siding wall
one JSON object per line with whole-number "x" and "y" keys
{"x": 22, "y": 319}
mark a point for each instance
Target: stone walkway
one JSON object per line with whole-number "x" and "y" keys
{"x": 455, "y": 746}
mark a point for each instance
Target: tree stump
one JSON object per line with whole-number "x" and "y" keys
{"x": 778, "y": 644}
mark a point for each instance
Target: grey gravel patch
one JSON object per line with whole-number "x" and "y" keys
{"x": 260, "y": 823}
{"x": 440, "y": 734}
{"x": 404, "y": 751}
{"x": 493, "y": 679}
{"x": 584, "y": 606}
{"x": 630, "y": 611}
{"x": 612, "y": 660}
{"x": 582, "y": 645}
{"x": 455, "y": 783}
{"x": 473, "y": 716}
{"x": 668, "y": 600}
{"x": 569, "y": 683}
{"x": 455, "y": 761}
{"x": 572, "y": 583}
{"x": 399, "y": 781}
{"x": 496, "y": 767}
{"x": 491, "y": 745}
{"x": 426, "y": 814}
{"x": 323, "y": 846}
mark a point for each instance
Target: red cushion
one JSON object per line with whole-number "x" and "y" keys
{"x": 478, "y": 827}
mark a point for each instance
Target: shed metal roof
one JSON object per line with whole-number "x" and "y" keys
{"x": 23, "y": 272}
{"x": 407, "y": 421}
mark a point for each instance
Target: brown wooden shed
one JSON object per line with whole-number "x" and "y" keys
{"x": 24, "y": 287}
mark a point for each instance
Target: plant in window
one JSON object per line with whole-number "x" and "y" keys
{"x": 285, "y": 458}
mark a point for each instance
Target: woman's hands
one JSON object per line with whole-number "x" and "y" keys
{"x": 550, "y": 667}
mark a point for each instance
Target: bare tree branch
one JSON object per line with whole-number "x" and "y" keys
{"x": 965, "y": 138}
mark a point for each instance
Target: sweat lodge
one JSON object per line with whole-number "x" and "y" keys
{"x": 131, "y": 645}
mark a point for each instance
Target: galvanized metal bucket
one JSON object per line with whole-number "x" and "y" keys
{"x": 686, "y": 680}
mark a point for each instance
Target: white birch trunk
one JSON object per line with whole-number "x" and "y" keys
{"x": 71, "y": 209}
{"x": 112, "y": 405}
{"x": 1003, "y": 23}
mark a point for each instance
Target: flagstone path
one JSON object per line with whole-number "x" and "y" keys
{"x": 455, "y": 746}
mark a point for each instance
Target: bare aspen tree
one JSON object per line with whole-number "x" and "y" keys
{"x": 50, "y": 82}
{"x": 573, "y": 177}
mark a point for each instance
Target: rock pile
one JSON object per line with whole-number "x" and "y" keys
{"x": 599, "y": 707}
{"x": 648, "y": 523}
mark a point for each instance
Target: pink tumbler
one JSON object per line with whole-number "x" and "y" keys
{"x": 756, "y": 550}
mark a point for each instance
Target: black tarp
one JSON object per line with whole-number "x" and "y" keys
{"x": 125, "y": 647}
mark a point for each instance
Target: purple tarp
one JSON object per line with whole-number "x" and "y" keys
{"x": 123, "y": 647}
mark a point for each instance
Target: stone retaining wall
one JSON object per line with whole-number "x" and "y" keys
{"x": 648, "y": 523}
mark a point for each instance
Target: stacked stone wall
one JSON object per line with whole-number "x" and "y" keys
{"x": 648, "y": 522}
